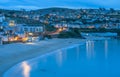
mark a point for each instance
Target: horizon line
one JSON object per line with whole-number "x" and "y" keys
{"x": 40, "y": 8}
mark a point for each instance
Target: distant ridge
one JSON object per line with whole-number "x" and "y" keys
{"x": 53, "y": 8}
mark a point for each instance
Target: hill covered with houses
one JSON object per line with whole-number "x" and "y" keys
{"x": 65, "y": 17}
{"x": 24, "y": 23}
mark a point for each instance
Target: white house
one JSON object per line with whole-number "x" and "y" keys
{"x": 31, "y": 29}
{"x": 59, "y": 25}
{"x": 73, "y": 25}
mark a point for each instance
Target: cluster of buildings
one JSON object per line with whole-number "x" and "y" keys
{"x": 59, "y": 18}
{"x": 11, "y": 31}
{"x": 77, "y": 18}
{"x": 97, "y": 26}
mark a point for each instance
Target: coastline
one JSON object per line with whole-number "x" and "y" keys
{"x": 20, "y": 52}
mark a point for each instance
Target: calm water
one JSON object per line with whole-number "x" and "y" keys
{"x": 93, "y": 59}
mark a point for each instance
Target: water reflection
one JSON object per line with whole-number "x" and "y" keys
{"x": 78, "y": 52}
{"x": 106, "y": 48}
{"x": 59, "y": 58}
{"x": 63, "y": 63}
{"x": 26, "y": 69}
{"x": 90, "y": 49}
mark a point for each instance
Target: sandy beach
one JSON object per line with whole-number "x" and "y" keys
{"x": 12, "y": 54}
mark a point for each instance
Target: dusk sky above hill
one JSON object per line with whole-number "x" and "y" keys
{"x": 38, "y": 4}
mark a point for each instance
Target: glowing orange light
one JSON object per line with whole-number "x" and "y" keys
{"x": 60, "y": 29}
{"x": 24, "y": 39}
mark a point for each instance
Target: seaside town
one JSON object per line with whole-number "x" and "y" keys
{"x": 23, "y": 26}
{"x": 59, "y": 38}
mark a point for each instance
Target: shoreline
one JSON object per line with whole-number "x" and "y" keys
{"x": 43, "y": 47}
{"x": 39, "y": 57}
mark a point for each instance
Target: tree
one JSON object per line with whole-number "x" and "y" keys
{"x": 50, "y": 28}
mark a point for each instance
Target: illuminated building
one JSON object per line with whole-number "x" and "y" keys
{"x": 12, "y": 23}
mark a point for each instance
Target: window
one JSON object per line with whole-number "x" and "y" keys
{"x": 30, "y": 29}
{"x": 37, "y": 29}
{"x": 41, "y": 29}
{"x": 33, "y": 29}
{"x": 26, "y": 29}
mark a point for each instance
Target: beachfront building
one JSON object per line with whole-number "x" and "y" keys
{"x": 21, "y": 28}
{"x": 9, "y": 26}
{"x": 32, "y": 32}
{"x": 31, "y": 29}
{"x": 18, "y": 32}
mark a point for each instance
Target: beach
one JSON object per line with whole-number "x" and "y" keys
{"x": 11, "y": 54}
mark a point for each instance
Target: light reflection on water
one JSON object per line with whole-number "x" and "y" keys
{"x": 90, "y": 49}
{"x": 106, "y": 49}
{"x": 26, "y": 69}
{"x": 59, "y": 58}
{"x": 94, "y": 59}
{"x": 90, "y": 52}
{"x": 78, "y": 52}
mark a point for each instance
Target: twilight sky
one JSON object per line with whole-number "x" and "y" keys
{"x": 37, "y": 4}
